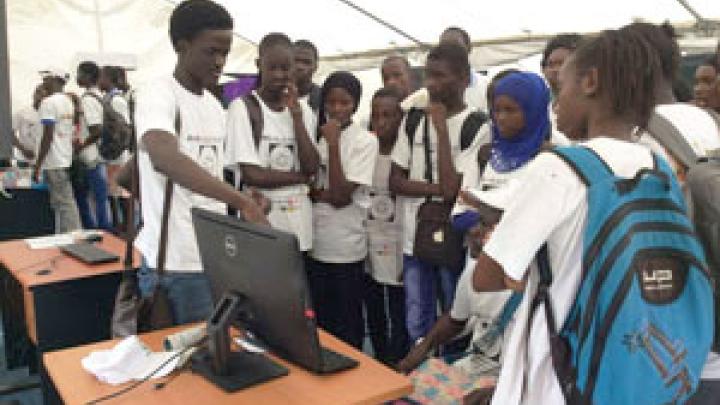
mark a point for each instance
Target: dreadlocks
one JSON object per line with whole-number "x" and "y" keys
{"x": 628, "y": 70}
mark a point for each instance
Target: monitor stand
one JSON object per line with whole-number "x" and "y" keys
{"x": 232, "y": 371}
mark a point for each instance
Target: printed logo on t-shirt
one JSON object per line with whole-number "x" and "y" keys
{"x": 208, "y": 158}
{"x": 281, "y": 156}
{"x": 382, "y": 206}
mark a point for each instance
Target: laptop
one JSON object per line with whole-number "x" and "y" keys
{"x": 89, "y": 253}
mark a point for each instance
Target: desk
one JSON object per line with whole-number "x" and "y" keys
{"x": 369, "y": 383}
{"x": 71, "y": 305}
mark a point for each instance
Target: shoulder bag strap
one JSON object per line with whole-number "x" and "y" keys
{"x": 428, "y": 158}
{"x": 162, "y": 249}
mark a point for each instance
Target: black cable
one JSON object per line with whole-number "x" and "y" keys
{"x": 144, "y": 379}
{"x": 48, "y": 260}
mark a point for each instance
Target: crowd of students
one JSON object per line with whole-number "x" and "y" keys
{"x": 59, "y": 135}
{"x": 355, "y": 190}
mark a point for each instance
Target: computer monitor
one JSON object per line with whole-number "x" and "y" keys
{"x": 265, "y": 267}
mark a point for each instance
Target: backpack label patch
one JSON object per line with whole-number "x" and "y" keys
{"x": 661, "y": 279}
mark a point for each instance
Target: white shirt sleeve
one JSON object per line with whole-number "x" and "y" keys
{"x": 155, "y": 109}
{"x": 92, "y": 110}
{"x": 120, "y": 105}
{"x": 240, "y": 145}
{"x": 15, "y": 121}
{"x": 550, "y": 192}
{"x": 360, "y": 168}
{"x": 401, "y": 151}
{"x": 48, "y": 112}
{"x": 461, "y": 307}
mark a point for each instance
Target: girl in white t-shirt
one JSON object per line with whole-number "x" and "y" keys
{"x": 601, "y": 105}
{"x": 347, "y": 160}
{"x": 383, "y": 280}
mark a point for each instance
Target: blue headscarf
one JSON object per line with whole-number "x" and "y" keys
{"x": 532, "y": 94}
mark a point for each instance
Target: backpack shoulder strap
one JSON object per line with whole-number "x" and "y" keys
{"x": 470, "y": 128}
{"x": 93, "y": 95}
{"x": 314, "y": 98}
{"x": 483, "y": 157}
{"x": 588, "y": 166}
{"x": 667, "y": 134}
{"x": 256, "y": 117}
{"x": 412, "y": 120}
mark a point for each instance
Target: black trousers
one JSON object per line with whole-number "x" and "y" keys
{"x": 385, "y": 315}
{"x": 336, "y": 291}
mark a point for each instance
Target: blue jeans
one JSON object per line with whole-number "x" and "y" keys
{"x": 97, "y": 184}
{"x": 188, "y": 292}
{"x": 423, "y": 281}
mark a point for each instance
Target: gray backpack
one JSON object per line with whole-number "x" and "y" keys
{"x": 703, "y": 181}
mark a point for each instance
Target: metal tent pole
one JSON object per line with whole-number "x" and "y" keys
{"x": 383, "y": 22}
{"x": 5, "y": 107}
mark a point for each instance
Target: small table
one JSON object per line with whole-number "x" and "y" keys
{"x": 69, "y": 306}
{"x": 369, "y": 383}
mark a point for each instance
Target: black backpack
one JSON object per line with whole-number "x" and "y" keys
{"x": 116, "y": 134}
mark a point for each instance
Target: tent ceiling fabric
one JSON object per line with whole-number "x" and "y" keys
{"x": 43, "y": 33}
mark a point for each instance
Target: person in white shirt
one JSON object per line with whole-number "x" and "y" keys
{"x": 520, "y": 126}
{"x": 446, "y": 76}
{"x": 475, "y": 93}
{"x": 397, "y": 74}
{"x": 110, "y": 82}
{"x": 27, "y": 130}
{"x": 86, "y": 147}
{"x": 700, "y": 132}
{"x": 706, "y": 88}
{"x": 335, "y": 266}
{"x": 180, "y": 130}
{"x": 306, "y": 63}
{"x": 602, "y": 105}
{"x": 384, "y": 295}
{"x": 57, "y": 113}
{"x": 282, "y": 160}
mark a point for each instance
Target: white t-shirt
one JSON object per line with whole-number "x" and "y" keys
{"x": 202, "y": 138}
{"x": 58, "y": 109}
{"x": 291, "y": 210}
{"x": 551, "y": 206}
{"x": 92, "y": 115}
{"x": 384, "y": 227}
{"x": 412, "y": 158}
{"x": 482, "y": 308}
{"x": 476, "y": 92}
{"x": 26, "y": 123}
{"x": 697, "y": 127}
{"x": 340, "y": 235}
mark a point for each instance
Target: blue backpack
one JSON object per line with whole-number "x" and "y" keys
{"x": 641, "y": 325}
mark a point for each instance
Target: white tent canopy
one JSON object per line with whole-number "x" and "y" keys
{"x": 134, "y": 33}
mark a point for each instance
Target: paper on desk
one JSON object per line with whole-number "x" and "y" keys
{"x": 128, "y": 360}
{"x": 51, "y": 241}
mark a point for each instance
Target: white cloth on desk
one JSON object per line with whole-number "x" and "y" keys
{"x": 128, "y": 360}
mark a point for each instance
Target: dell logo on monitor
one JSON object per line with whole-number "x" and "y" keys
{"x": 230, "y": 246}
